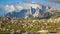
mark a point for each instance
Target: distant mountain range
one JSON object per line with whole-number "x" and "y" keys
{"x": 24, "y": 10}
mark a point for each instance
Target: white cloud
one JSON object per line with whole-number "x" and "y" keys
{"x": 29, "y": 5}
{"x": 9, "y": 8}
{"x": 19, "y": 6}
{"x": 34, "y": 5}
{"x": 12, "y": 7}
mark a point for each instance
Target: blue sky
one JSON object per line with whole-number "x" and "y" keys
{"x": 10, "y": 1}
{"x": 57, "y": 4}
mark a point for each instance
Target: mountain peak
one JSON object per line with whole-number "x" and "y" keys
{"x": 25, "y": 9}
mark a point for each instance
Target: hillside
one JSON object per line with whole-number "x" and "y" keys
{"x": 56, "y": 15}
{"x": 29, "y": 25}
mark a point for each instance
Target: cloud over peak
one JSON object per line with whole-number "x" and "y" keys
{"x": 19, "y": 6}
{"x": 9, "y": 8}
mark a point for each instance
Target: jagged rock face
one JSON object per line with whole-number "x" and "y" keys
{"x": 37, "y": 13}
{"x": 47, "y": 15}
